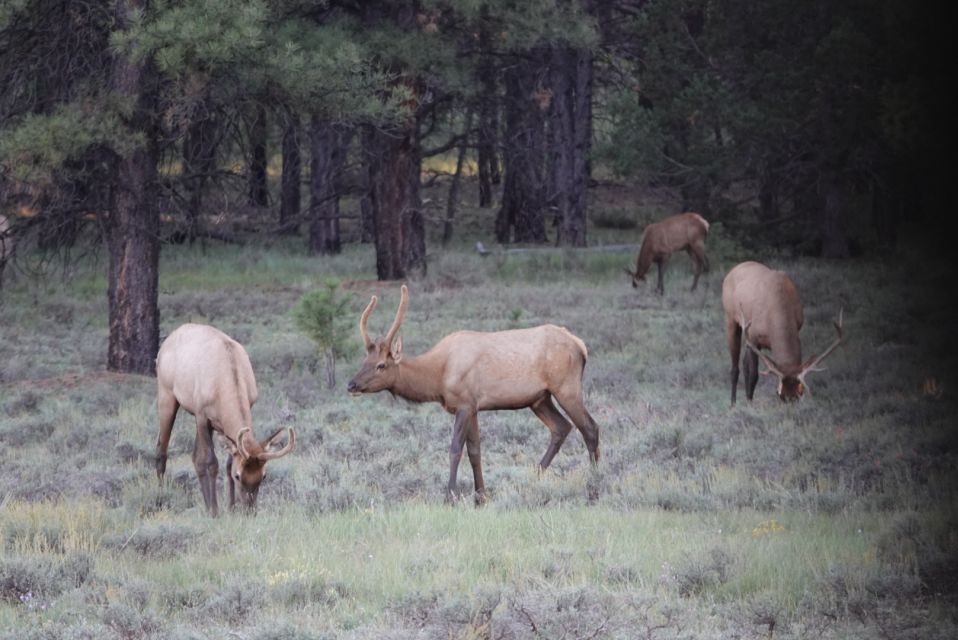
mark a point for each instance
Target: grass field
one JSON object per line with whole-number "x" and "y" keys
{"x": 834, "y": 518}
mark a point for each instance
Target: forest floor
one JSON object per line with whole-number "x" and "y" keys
{"x": 835, "y": 517}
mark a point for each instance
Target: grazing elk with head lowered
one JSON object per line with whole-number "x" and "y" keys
{"x": 469, "y": 371}
{"x": 762, "y": 308}
{"x": 661, "y": 239}
{"x": 209, "y": 374}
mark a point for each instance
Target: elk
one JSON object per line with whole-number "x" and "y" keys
{"x": 661, "y": 239}
{"x": 206, "y": 372}
{"x": 762, "y": 308}
{"x": 469, "y": 371}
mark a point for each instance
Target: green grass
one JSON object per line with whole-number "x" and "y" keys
{"x": 830, "y": 518}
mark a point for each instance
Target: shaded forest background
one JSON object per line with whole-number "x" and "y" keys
{"x": 124, "y": 125}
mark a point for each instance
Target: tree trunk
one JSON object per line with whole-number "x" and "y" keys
{"x": 393, "y": 162}
{"x": 834, "y": 241}
{"x": 199, "y": 160}
{"x": 258, "y": 188}
{"x": 572, "y": 140}
{"x": 132, "y": 225}
{"x": 289, "y": 201}
{"x": 523, "y": 202}
{"x": 327, "y": 155}
{"x": 487, "y": 158}
{"x": 452, "y": 200}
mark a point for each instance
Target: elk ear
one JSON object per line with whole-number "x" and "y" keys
{"x": 396, "y": 349}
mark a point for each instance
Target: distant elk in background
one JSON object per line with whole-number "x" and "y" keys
{"x": 762, "y": 308}
{"x": 661, "y": 239}
{"x": 469, "y": 371}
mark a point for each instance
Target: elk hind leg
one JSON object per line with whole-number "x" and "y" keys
{"x": 734, "y": 335}
{"x": 167, "y": 407}
{"x": 572, "y": 404}
{"x": 475, "y": 457}
{"x": 558, "y": 426}
{"x": 699, "y": 263}
{"x": 459, "y": 431}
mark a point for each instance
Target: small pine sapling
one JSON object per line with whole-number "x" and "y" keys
{"x": 321, "y": 314}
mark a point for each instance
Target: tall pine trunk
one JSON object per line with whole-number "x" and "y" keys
{"x": 523, "y": 194}
{"x": 393, "y": 161}
{"x": 132, "y": 224}
{"x": 572, "y": 140}
{"x": 258, "y": 188}
{"x": 289, "y": 201}
{"x": 327, "y": 155}
{"x": 199, "y": 161}
{"x": 488, "y": 130}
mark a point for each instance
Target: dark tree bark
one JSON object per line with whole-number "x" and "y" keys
{"x": 523, "y": 200}
{"x": 572, "y": 140}
{"x": 132, "y": 224}
{"x": 367, "y": 220}
{"x": 834, "y": 241}
{"x": 452, "y": 200}
{"x": 199, "y": 161}
{"x": 289, "y": 202}
{"x": 327, "y": 152}
{"x": 258, "y": 187}
{"x": 488, "y": 130}
{"x": 393, "y": 161}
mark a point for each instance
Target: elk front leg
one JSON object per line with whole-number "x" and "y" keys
{"x": 660, "y": 287}
{"x": 230, "y": 482}
{"x": 459, "y": 430}
{"x": 167, "y": 406}
{"x": 475, "y": 457}
{"x": 750, "y": 364}
{"x": 204, "y": 460}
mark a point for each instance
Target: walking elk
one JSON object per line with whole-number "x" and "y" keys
{"x": 762, "y": 308}
{"x": 468, "y": 371}
{"x": 661, "y": 239}
{"x": 209, "y": 374}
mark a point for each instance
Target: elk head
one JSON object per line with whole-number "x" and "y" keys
{"x": 791, "y": 378}
{"x": 381, "y": 366}
{"x": 636, "y": 278}
{"x": 248, "y": 458}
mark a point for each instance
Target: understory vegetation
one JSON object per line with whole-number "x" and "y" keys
{"x": 834, "y": 517}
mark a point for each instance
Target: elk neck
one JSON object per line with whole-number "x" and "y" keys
{"x": 784, "y": 343}
{"x": 419, "y": 378}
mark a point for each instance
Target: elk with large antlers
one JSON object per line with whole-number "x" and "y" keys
{"x": 661, "y": 239}
{"x": 469, "y": 371}
{"x": 762, "y": 308}
{"x": 209, "y": 374}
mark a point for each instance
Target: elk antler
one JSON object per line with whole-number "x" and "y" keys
{"x": 239, "y": 441}
{"x": 272, "y": 455}
{"x": 771, "y": 364}
{"x": 812, "y": 363}
{"x": 363, "y": 320}
{"x": 400, "y": 314}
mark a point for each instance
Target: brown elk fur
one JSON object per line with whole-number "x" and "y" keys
{"x": 661, "y": 239}
{"x": 204, "y": 371}
{"x": 468, "y": 371}
{"x": 762, "y": 307}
